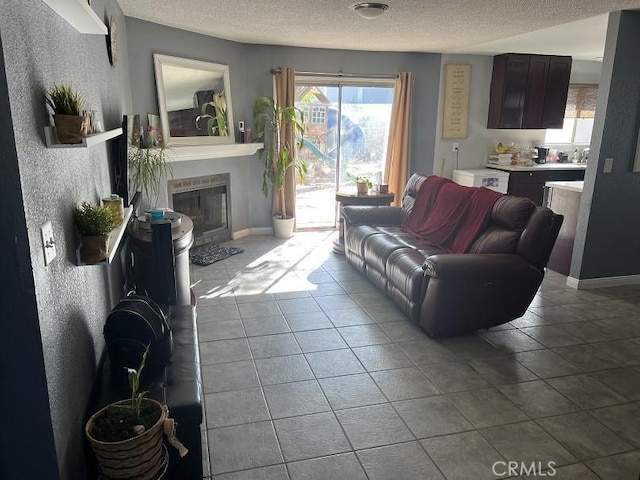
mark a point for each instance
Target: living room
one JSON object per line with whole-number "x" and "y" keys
{"x": 56, "y": 313}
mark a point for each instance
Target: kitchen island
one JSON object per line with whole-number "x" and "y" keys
{"x": 529, "y": 181}
{"x": 564, "y": 198}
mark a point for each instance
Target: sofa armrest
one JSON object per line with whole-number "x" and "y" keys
{"x": 365, "y": 215}
{"x": 466, "y": 292}
{"x": 478, "y": 267}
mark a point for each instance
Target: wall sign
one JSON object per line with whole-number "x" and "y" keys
{"x": 455, "y": 118}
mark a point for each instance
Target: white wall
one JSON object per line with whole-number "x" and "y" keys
{"x": 480, "y": 141}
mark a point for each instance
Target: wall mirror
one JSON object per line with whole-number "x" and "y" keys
{"x": 194, "y": 99}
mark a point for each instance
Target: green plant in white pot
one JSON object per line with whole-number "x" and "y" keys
{"x": 66, "y": 104}
{"x": 279, "y": 158}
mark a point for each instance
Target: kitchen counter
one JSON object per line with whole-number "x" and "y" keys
{"x": 564, "y": 197}
{"x": 542, "y": 167}
{"x": 575, "y": 186}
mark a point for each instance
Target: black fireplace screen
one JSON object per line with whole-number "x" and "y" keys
{"x": 207, "y": 207}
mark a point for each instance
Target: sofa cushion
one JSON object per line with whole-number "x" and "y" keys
{"x": 508, "y": 219}
{"x": 406, "y": 281}
{"x": 511, "y": 212}
{"x": 410, "y": 193}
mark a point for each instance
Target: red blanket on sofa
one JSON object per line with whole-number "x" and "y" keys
{"x": 449, "y": 216}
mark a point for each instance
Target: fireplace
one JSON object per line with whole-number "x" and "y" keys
{"x": 206, "y": 200}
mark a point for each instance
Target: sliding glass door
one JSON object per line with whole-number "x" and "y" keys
{"x": 347, "y": 125}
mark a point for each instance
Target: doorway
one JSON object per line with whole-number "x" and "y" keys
{"x": 346, "y": 134}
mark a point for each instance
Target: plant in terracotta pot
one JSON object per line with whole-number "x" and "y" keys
{"x": 94, "y": 223}
{"x": 66, "y": 103}
{"x": 363, "y": 184}
{"x": 270, "y": 122}
{"x": 126, "y": 436}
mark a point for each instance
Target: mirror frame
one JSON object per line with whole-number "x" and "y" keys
{"x": 159, "y": 61}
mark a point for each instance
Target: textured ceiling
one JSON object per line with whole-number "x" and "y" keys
{"x": 443, "y": 26}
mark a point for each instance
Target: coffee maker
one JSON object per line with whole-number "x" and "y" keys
{"x": 542, "y": 155}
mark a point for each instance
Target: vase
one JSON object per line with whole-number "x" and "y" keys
{"x": 71, "y": 129}
{"x": 94, "y": 248}
{"x": 283, "y": 227}
{"x": 363, "y": 188}
{"x": 138, "y": 457}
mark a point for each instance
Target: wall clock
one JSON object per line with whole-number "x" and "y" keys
{"x": 112, "y": 41}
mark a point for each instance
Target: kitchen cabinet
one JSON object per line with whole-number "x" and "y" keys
{"x": 528, "y": 91}
{"x": 530, "y": 184}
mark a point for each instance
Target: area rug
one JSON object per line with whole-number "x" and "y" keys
{"x": 209, "y": 253}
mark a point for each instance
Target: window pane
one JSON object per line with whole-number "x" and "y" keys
{"x": 562, "y": 135}
{"x": 584, "y": 126}
{"x": 346, "y": 133}
{"x": 364, "y": 126}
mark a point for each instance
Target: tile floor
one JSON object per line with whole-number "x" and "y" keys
{"x": 311, "y": 373}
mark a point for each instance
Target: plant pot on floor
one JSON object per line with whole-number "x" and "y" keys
{"x": 283, "y": 227}
{"x": 70, "y": 129}
{"x": 94, "y": 248}
{"x": 138, "y": 457}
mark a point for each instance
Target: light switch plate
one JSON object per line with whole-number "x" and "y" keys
{"x": 48, "y": 243}
{"x": 608, "y": 165}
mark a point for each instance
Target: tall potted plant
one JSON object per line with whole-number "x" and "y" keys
{"x": 66, "y": 104}
{"x": 279, "y": 158}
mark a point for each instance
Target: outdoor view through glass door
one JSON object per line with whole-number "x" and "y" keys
{"x": 360, "y": 111}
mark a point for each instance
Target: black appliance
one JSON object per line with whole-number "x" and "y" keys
{"x": 542, "y": 155}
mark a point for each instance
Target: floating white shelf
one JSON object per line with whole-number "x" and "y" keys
{"x": 114, "y": 240}
{"x": 52, "y": 140}
{"x": 181, "y": 153}
{"x": 79, "y": 14}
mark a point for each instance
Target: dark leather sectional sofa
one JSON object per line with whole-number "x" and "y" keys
{"x": 448, "y": 294}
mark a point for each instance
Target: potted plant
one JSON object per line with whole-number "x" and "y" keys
{"x": 94, "y": 222}
{"x": 363, "y": 184}
{"x": 279, "y": 158}
{"x": 150, "y": 169}
{"x": 126, "y": 436}
{"x": 66, "y": 103}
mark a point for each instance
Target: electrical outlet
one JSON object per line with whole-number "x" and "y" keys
{"x": 48, "y": 243}
{"x": 608, "y": 165}
{"x": 456, "y": 146}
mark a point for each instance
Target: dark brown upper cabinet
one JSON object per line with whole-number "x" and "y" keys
{"x": 528, "y": 91}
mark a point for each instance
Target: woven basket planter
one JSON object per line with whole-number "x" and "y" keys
{"x": 137, "y": 458}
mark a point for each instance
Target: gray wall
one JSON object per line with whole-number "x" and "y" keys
{"x": 40, "y": 49}
{"x": 249, "y": 69}
{"x": 608, "y": 232}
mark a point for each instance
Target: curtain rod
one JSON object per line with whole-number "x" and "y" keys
{"x": 341, "y": 74}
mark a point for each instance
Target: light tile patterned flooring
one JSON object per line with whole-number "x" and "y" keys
{"x": 311, "y": 373}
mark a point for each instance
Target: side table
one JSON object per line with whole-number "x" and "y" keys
{"x": 376, "y": 199}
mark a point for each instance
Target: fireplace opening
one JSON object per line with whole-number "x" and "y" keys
{"x": 206, "y": 201}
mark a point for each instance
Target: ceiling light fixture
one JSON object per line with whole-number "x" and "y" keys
{"x": 370, "y": 11}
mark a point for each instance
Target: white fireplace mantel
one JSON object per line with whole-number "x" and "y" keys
{"x": 181, "y": 153}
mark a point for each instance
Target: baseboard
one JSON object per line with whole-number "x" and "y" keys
{"x": 240, "y": 234}
{"x": 603, "y": 282}
{"x": 261, "y": 231}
